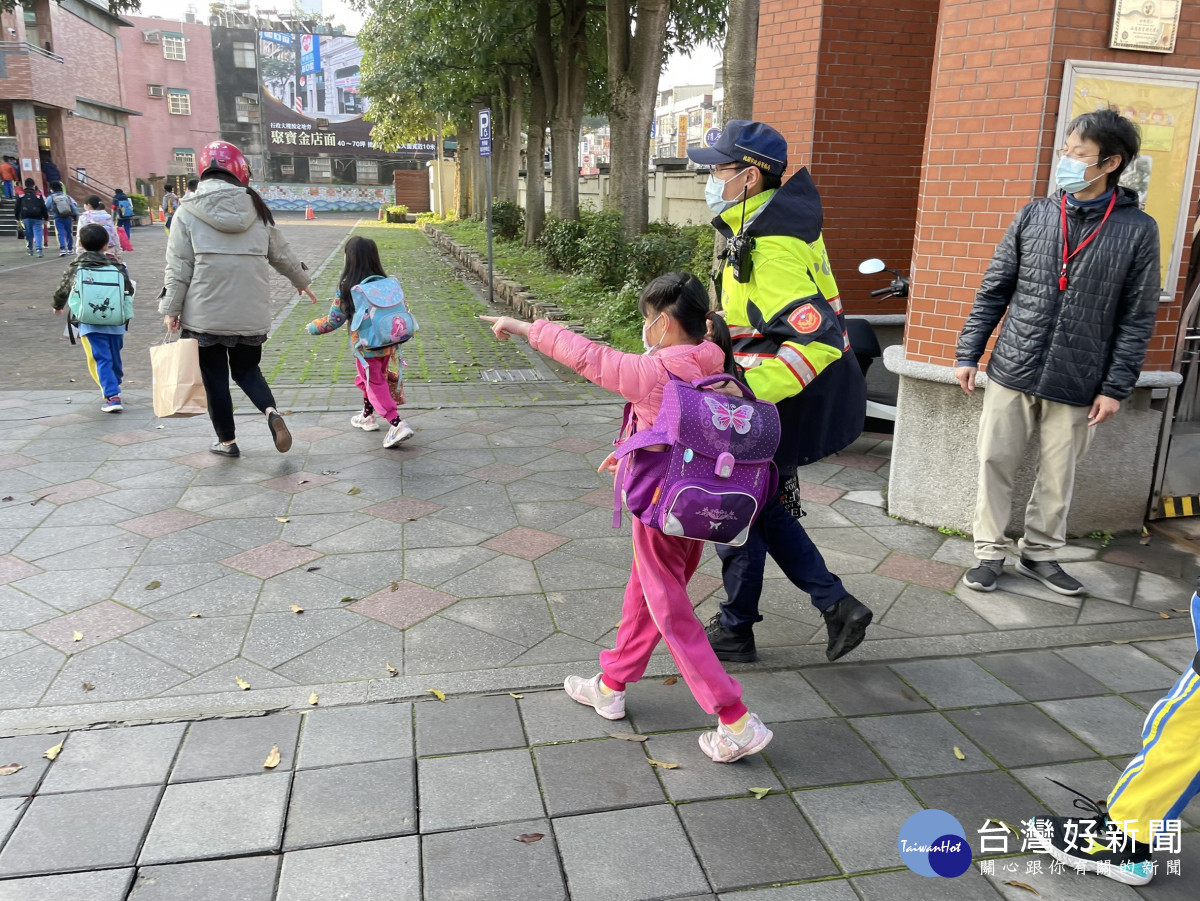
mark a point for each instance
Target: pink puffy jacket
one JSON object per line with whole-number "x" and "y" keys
{"x": 637, "y": 378}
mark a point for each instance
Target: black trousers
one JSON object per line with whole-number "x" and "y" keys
{"x": 217, "y": 364}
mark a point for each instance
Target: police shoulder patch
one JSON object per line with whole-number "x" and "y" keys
{"x": 805, "y": 319}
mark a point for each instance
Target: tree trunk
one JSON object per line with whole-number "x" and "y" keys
{"x": 635, "y": 61}
{"x": 740, "y": 59}
{"x": 535, "y": 177}
{"x": 509, "y": 118}
{"x": 564, "y": 69}
{"x": 466, "y": 164}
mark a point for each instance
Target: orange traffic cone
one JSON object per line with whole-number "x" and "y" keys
{"x": 308, "y": 213}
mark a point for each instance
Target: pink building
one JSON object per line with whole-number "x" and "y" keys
{"x": 167, "y": 75}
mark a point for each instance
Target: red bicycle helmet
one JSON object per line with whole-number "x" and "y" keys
{"x": 224, "y": 156}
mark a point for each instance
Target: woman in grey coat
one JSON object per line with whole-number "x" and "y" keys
{"x": 220, "y": 253}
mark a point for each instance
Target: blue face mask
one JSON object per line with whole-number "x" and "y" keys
{"x": 713, "y": 190}
{"x": 1070, "y": 174}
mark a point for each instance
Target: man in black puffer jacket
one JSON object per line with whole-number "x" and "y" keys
{"x": 1078, "y": 275}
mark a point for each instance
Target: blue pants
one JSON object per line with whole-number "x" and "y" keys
{"x": 8, "y": 189}
{"x": 104, "y": 360}
{"x": 778, "y": 533}
{"x": 127, "y": 224}
{"x": 66, "y": 241}
{"x": 33, "y": 234}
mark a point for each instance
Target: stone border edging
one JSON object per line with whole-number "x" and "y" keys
{"x": 895, "y": 361}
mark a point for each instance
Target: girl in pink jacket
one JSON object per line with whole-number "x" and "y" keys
{"x": 682, "y": 338}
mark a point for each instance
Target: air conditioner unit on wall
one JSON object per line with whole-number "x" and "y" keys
{"x": 151, "y": 37}
{"x": 155, "y": 90}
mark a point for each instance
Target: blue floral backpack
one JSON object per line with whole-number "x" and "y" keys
{"x": 381, "y": 315}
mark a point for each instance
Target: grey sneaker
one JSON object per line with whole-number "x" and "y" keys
{"x": 611, "y": 705}
{"x": 1050, "y": 574}
{"x": 985, "y": 575}
{"x": 725, "y": 746}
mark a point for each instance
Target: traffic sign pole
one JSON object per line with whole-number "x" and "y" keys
{"x": 485, "y": 151}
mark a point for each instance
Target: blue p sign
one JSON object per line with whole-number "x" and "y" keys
{"x": 485, "y": 132}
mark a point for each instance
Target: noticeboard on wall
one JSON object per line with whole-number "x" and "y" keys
{"x": 1165, "y": 104}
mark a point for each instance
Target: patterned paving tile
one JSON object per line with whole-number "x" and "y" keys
{"x": 164, "y": 522}
{"x": 12, "y": 461}
{"x": 483, "y": 427}
{"x": 406, "y": 606}
{"x": 297, "y": 482}
{"x": 62, "y": 419}
{"x": 601, "y": 497}
{"x": 136, "y": 436}
{"x": 501, "y": 473}
{"x": 12, "y": 568}
{"x": 857, "y": 461}
{"x": 528, "y": 544}
{"x": 819, "y": 494}
{"x": 578, "y": 445}
{"x": 402, "y": 509}
{"x": 269, "y": 560}
{"x": 314, "y": 433}
{"x": 201, "y": 460}
{"x": 73, "y": 491}
{"x": 929, "y": 573}
{"x": 702, "y": 586}
{"x": 97, "y": 624}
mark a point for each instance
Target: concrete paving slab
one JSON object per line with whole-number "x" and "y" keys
{"x": 799, "y": 753}
{"x": 859, "y": 823}
{"x": 115, "y": 758}
{"x": 477, "y": 790}
{"x": 1111, "y": 725}
{"x": 485, "y": 865}
{"x": 390, "y": 868}
{"x": 356, "y": 802}
{"x": 216, "y": 749}
{"x": 102, "y": 885}
{"x": 921, "y": 744}
{"x": 238, "y": 879}
{"x": 588, "y": 776}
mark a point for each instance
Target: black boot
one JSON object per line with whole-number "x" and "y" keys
{"x": 731, "y": 646}
{"x": 846, "y": 622}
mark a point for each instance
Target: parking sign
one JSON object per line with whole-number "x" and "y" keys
{"x": 485, "y": 132}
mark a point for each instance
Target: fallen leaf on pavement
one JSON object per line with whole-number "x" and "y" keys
{"x": 77, "y": 636}
{"x": 1165, "y": 615}
{"x": 958, "y": 753}
{"x": 1178, "y": 610}
{"x": 296, "y": 608}
{"x": 9, "y": 768}
{"x": 440, "y": 695}
{"x": 392, "y": 671}
{"x": 302, "y": 482}
{"x": 194, "y": 614}
{"x": 1028, "y": 888}
{"x": 670, "y": 680}
{"x": 760, "y": 793}
{"x": 88, "y": 686}
{"x": 395, "y": 586}
{"x": 312, "y": 569}
{"x": 242, "y": 683}
{"x": 272, "y": 760}
{"x": 627, "y": 736}
{"x": 530, "y": 837}
{"x": 1011, "y": 828}
{"x": 346, "y": 600}
{"x": 355, "y": 490}
{"x": 150, "y": 586}
{"x": 283, "y": 519}
{"x": 8, "y": 498}
{"x": 513, "y": 694}
{"x": 659, "y": 763}
{"x": 329, "y": 472}
{"x": 312, "y": 699}
{"x": 52, "y": 753}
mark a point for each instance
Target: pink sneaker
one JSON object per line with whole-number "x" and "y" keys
{"x": 725, "y": 746}
{"x": 587, "y": 691}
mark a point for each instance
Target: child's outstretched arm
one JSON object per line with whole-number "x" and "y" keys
{"x": 633, "y": 376}
{"x": 330, "y": 321}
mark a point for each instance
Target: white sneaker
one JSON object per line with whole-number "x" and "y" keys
{"x": 725, "y": 746}
{"x": 398, "y": 434}
{"x": 364, "y": 421}
{"x": 587, "y": 691}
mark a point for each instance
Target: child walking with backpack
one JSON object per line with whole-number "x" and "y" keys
{"x": 373, "y": 305}
{"x": 683, "y": 341}
{"x": 64, "y": 212}
{"x": 99, "y": 293}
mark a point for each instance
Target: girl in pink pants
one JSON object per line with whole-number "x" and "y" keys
{"x": 684, "y": 339}
{"x": 362, "y": 261}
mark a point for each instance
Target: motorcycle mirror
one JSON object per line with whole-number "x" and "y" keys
{"x": 871, "y": 266}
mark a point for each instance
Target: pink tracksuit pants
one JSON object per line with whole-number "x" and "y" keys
{"x": 657, "y": 605}
{"x": 373, "y": 383}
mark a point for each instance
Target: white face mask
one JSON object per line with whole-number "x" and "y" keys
{"x": 651, "y": 348}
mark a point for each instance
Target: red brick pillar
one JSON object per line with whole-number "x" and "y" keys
{"x": 989, "y": 150}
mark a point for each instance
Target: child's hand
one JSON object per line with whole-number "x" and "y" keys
{"x": 307, "y": 291}
{"x": 504, "y": 326}
{"x": 609, "y": 465}
{"x": 58, "y": 312}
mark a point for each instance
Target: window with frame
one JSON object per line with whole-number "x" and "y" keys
{"x": 247, "y": 108}
{"x": 320, "y": 167}
{"x": 174, "y": 46}
{"x": 187, "y": 156}
{"x": 180, "y": 102}
{"x": 367, "y": 172}
{"x": 243, "y": 55}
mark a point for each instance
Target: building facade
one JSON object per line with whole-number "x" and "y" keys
{"x": 167, "y": 74}
{"x": 682, "y": 117}
{"x": 61, "y": 95}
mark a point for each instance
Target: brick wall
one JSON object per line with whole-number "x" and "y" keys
{"x": 101, "y": 149}
{"x": 847, "y": 83}
{"x": 990, "y": 147}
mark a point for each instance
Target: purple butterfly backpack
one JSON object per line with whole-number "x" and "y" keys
{"x": 716, "y": 473}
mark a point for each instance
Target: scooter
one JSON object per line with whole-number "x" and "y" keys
{"x": 865, "y": 332}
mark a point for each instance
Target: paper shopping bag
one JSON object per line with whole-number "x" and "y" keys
{"x": 178, "y": 389}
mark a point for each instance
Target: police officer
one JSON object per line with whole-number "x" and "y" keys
{"x": 781, "y": 304}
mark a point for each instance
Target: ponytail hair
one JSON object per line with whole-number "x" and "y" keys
{"x": 682, "y": 296}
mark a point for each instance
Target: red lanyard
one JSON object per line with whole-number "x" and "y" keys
{"x": 1067, "y": 257}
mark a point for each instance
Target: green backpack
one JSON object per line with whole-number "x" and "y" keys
{"x": 98, "y": 297}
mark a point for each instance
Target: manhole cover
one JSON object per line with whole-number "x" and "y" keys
{"x": 511, "y": 375}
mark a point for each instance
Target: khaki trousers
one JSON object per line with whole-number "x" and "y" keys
{"x": 1008, "y": 422}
